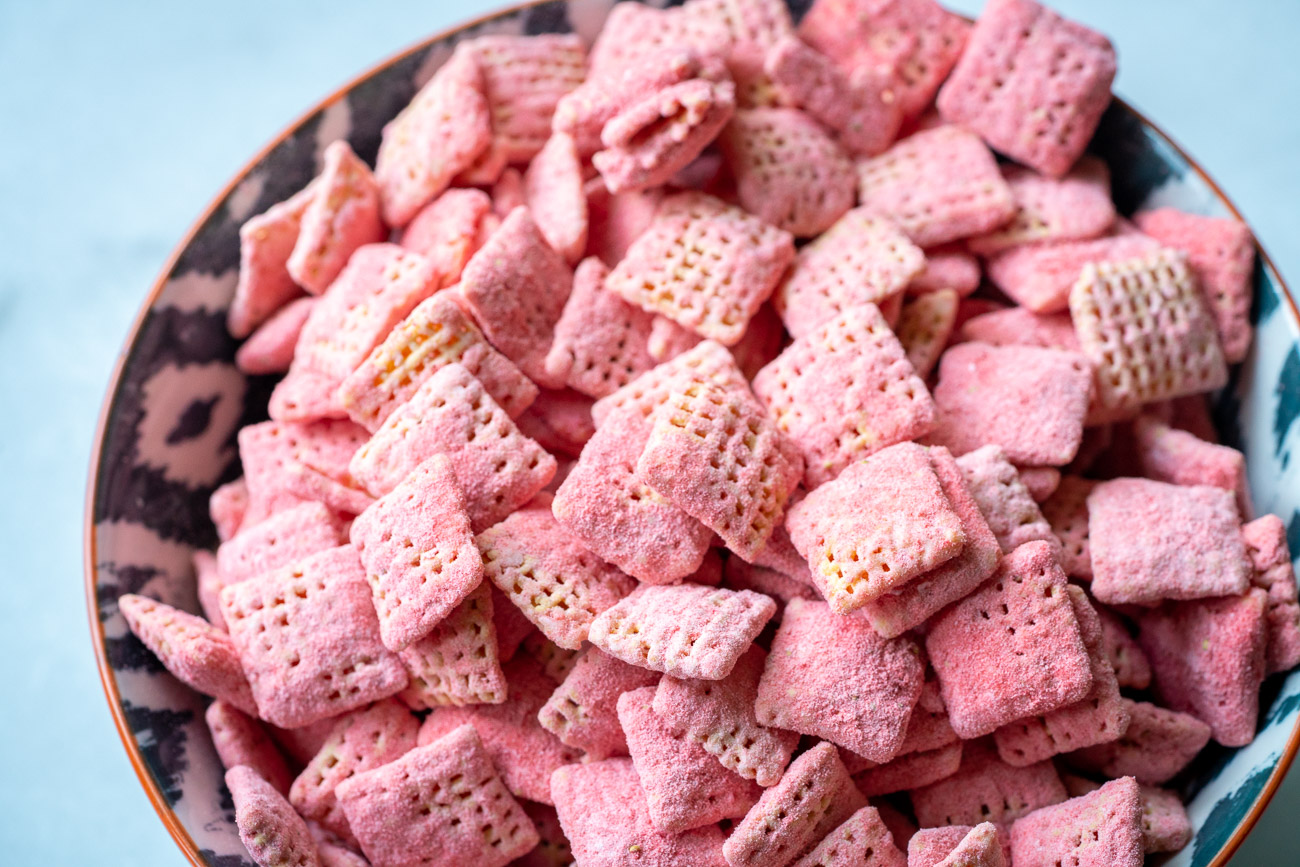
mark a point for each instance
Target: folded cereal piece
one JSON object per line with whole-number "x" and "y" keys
{"x": 924, "y": 327}
{"x": 1208, "y": 658}
{"x": 844, "y": 392}
{"x": 918, "y": 41}
{"x": 851, "y": 686}
{"x": 516, "y": 286}
{"x": 684, "y": 631}
{"x": 1067, "y": 513}
{"x": 604, "y": 813}
{"x": 273, "y": 833}
{"x": 342, "y": 216}
{"x": 982, "y": 845}
{"x": 938, "y": 185}
{"x": 684, "y": 786}
{"x": 1165, "y": 825}
{"x": 1074, "y": 207}
{"x": 497, "y": 467}
{"x": 716, "y": 455}
{"x": 227, "y": 507}
{"x": 1004, "y": 501}
{"x": 288, "y": 462}
{"x": 1100, "y": 829}
{"x": 1040, "y": 276}
{"x": 450, "y": 229}
{"x": 435, "y": 334}
{"x": 270, "y": 348}
{"x": 987, "y": 789}
{"x": 719, "y": 715}
{"x": 881, "y": 523}
{"x": 1099, "y": 717}
{"x": 1171, "y": 455}
{"x": 583, "y": 710}
{"x": 1151, "y": 541}
{"x": 308, "y": 638}
{"x": 788, "y": 170}
{"x": 1030, "y": 401}
{"x": 1013, "y": 648}
{"x": 1157, "y": 745}
{"x": 815, "y": 796}
{"x": 286, "y": 536}
{"x": 559, "y": 420}
{"x": 910, "y": 771}
{"x": 240, "y": 740}
{"x": 1222, "y": 253}
{"x": 360, "y": 742}
{"x": 1132, "y": 668}
{"x": 1020, "y": 326}
{"x": 200, "y": 655}
{"x": 1266, "y": 543}
{"x": 457, "y": 662}
{"x": 441, "y": 133}
{"x": 1145, "y": 326}
{"x": 861, "y": 839}
{"x": 704, "y": 264}
{"x": 553, "y": 189}
{"x": 265, "y": 242}
{"x": 440, "y": 805}
{"x": 601, "y": 341}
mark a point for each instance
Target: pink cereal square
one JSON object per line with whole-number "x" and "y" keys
{"x": 342, "y": 216}
{"x": 987, "y": 789}
{"x": 1100, "y": 829}
{"x": 559, "y": 420}
{"x": 1074, "y": 207}
{"x": 1165, "y": 824}
{"x": 1004, "y": 500}
{"x": 286, "y": 536}
{"x": 227, "y": 506}
{"x": 1031, "y": 83}
{"x": 1168, "y": 454}
{"x": 910, "y": 771}
{"x": 553, "y": 849}
{"x": 938, "y": 186}
{"x": 960, "y": 846}
{"x": 1041, "y": 482}
{"x": 1030, "y": 401}
{"x": 265, "y": 242}
{"x": 1013, "y": 648}
{"x": 553, "y": 190}
{"x": 616, "y": 220}
{"x": 240, "y": 740}
{"x": 924, "y": 327}
{"x": 708, "y": 361}
{"x": 583, "y": 710}
{"x": 286, "y": 463}
{"x": 1132, "y": 668}
{"x": 458, "y": 661}
{"x": 740, "y": 575}
{"x": 268, "y": 827}
{"x": 308, "y": 638}
{"x": 270, "y": 348}
{"x": 1157, "y": 745}
{"x": 1040, "y": 276}
{"x": 1150, "y": 541}
{"x": 1067, "y": 513}
{"x": 450, "y": 229}
{"x": 947, "y": 266}
{"x": 854, "y": 688}
{"x": 1270, "y": 556}
{"x": 1020, "y": 326}
{"x": 862, "y": 839}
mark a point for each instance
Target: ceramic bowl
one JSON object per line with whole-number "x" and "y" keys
{"x": 167, "y": 438}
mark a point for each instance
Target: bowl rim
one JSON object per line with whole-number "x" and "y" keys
{"x": 90, "y": 559}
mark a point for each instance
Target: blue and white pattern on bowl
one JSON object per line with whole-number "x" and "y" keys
{"x": 168, "y": 439}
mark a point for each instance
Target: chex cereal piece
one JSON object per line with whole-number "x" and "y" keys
{"x": 240, "y": 740}
{"x": 1040, "y": 276}
{"x": 924, "y": 327}
{"x": 450, "y": 229}
{"x": 706, "y": 362}
{"x": 685, "y": 630}
{"x": 360, "y": 742}
{"x": 835, "y": 678}
{"x": 928, "y": 727}
{"x": 845, "y": 391}
{"x": 227, "y": 506}
{"x": 1076, "y": 206}
{"x": 788, "y": 170}
{"x": 516, "y": 286}
{"x": 553, "y": 849}
{"x": 704, "y": 264}
{"x": 668, "y": 340}
{"x": 419, "y": 552}
{"x": 1004, "y": 501}
{"x": 1098, "y": 718}
{"x": 1132, "y": 668}
{"x": 986, "y": 789}
{"x": 270, "y": 348}
{"x": 308, "y": 638}
{"x": 918, "y": 41}
{"x": 1208, "y": 658}
{"x": 604, "y": 814}
{"x": 1266, "y": 543}
{"x": 440, "y": 804}
{"x": 288, "y": 462}
{"x": 604, "y": 503}
{"x": 286, "y": 536}
{"x": 938, "y": 186}
{"x": 719, "y": 715}
{"x": 1145, "y": 326}
{"x": 1222, "y": 253}
{"x": 862, "y": 258}
{"x": 861, "y": 839}
{"x": 634, "y": 31}
{"x": 436, "y": 333}
{"x": 274, "y": 834}
{"x": 601, "y": 341}
{"x": 511, "y": 625}
{"x": 814, "y": 797}
{"x": 559, "y": 420}
{"x": 554, "y": 192}
{"x": 1013, "y": 648}
{"x": 1165, "y": 825}
{"x": 1157, "y": 745}
{"x": 715, "y": 453}
{"x": 342, "y": 216}
{"x": 1031, "y": 402}
{"x": 910, "y": 771}
{"x": 740, "y": 575}
{"x": 556, "y": 661}
{"x": 555, "y": 580}
{"x": 1151, "y": 541}
{"x": 583, "y": 710}
{"x": 916, "y": 601}
{"x": 684, "y": 786}
{"x": 200, "y": 655}
{"x": 333, "y": 850}
{"x": 497, "y": 467}
{"x": 443, "y": 130}
{"x": 943, "y": 846}
{"x": 265, "y": 242}
{"x": 1041, "y": 482}
{"x": 881, "y": 523}
{"x": 1100, "y": 829}
{"x": 300, "y": 744}
{"x": 1020, "y": 326}
{"x": 616, "y": 221}
{"x": 1171, "y": 455}
{"x": 1067, "y": 513}
{"x": 1192, "y": 414}
{"x": 457, "y": 662}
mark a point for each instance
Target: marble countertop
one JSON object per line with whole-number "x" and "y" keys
{"x": 119, "y": 121}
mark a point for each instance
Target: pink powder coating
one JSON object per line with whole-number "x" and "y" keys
{"x": 616, "y": 220}
{"x": 1040, "y": 276}
{"x": 1100, "y": 829}
{"x": 281, "y": 539}
{"x": 273, "y": 833}
{"x": 227, "y": 507}
{"x": 707, "y": 361}
{"x": 458, "y": 661}
{"x": 450, "y": 229}
{"x": 1165, "y": 825}
{"x": 947, "y": 266}
{"x": 1067, "y": 513}
{"x": 583, "y": 710}
{"x": 1157, "y": 745}
{"x": 932, "y": 847}
{"x": 1074, "y": 207}
{"x": 1041, "y": 482}
{"x": 862, "y": 839}
{"x": 1171, "y": 455}
{"x": 553, "y": 849}
{"x": 1132, "y": 668}
{"x": 553, "y": 188}
{"x": 265, "y": 242}
{"x": 911, "y": 771}
{"x": 1004, "y": 500}
{"x": 240, "y": 740}
{"x": 286, "y": 463}
{"x": 270, "y": 348}
{"x": 740, "y": 575}
{"x": 342, "y": 216}
{"x": 925, "y": 326}
{"x": 1020, "y": 326}
{"x": 986, "y": 789}
{"x": 1272, "y": 571}
{"x": 559, "y": 420}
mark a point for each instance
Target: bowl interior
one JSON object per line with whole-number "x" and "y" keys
{"x": 168, "y": 438}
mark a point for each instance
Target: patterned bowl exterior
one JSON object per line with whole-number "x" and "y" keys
{"x": 167, "y": 438}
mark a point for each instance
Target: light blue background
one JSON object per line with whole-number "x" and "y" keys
{"x": 120, "y": 120}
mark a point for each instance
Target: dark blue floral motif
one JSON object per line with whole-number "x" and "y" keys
{"x": 161, "y": 736}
